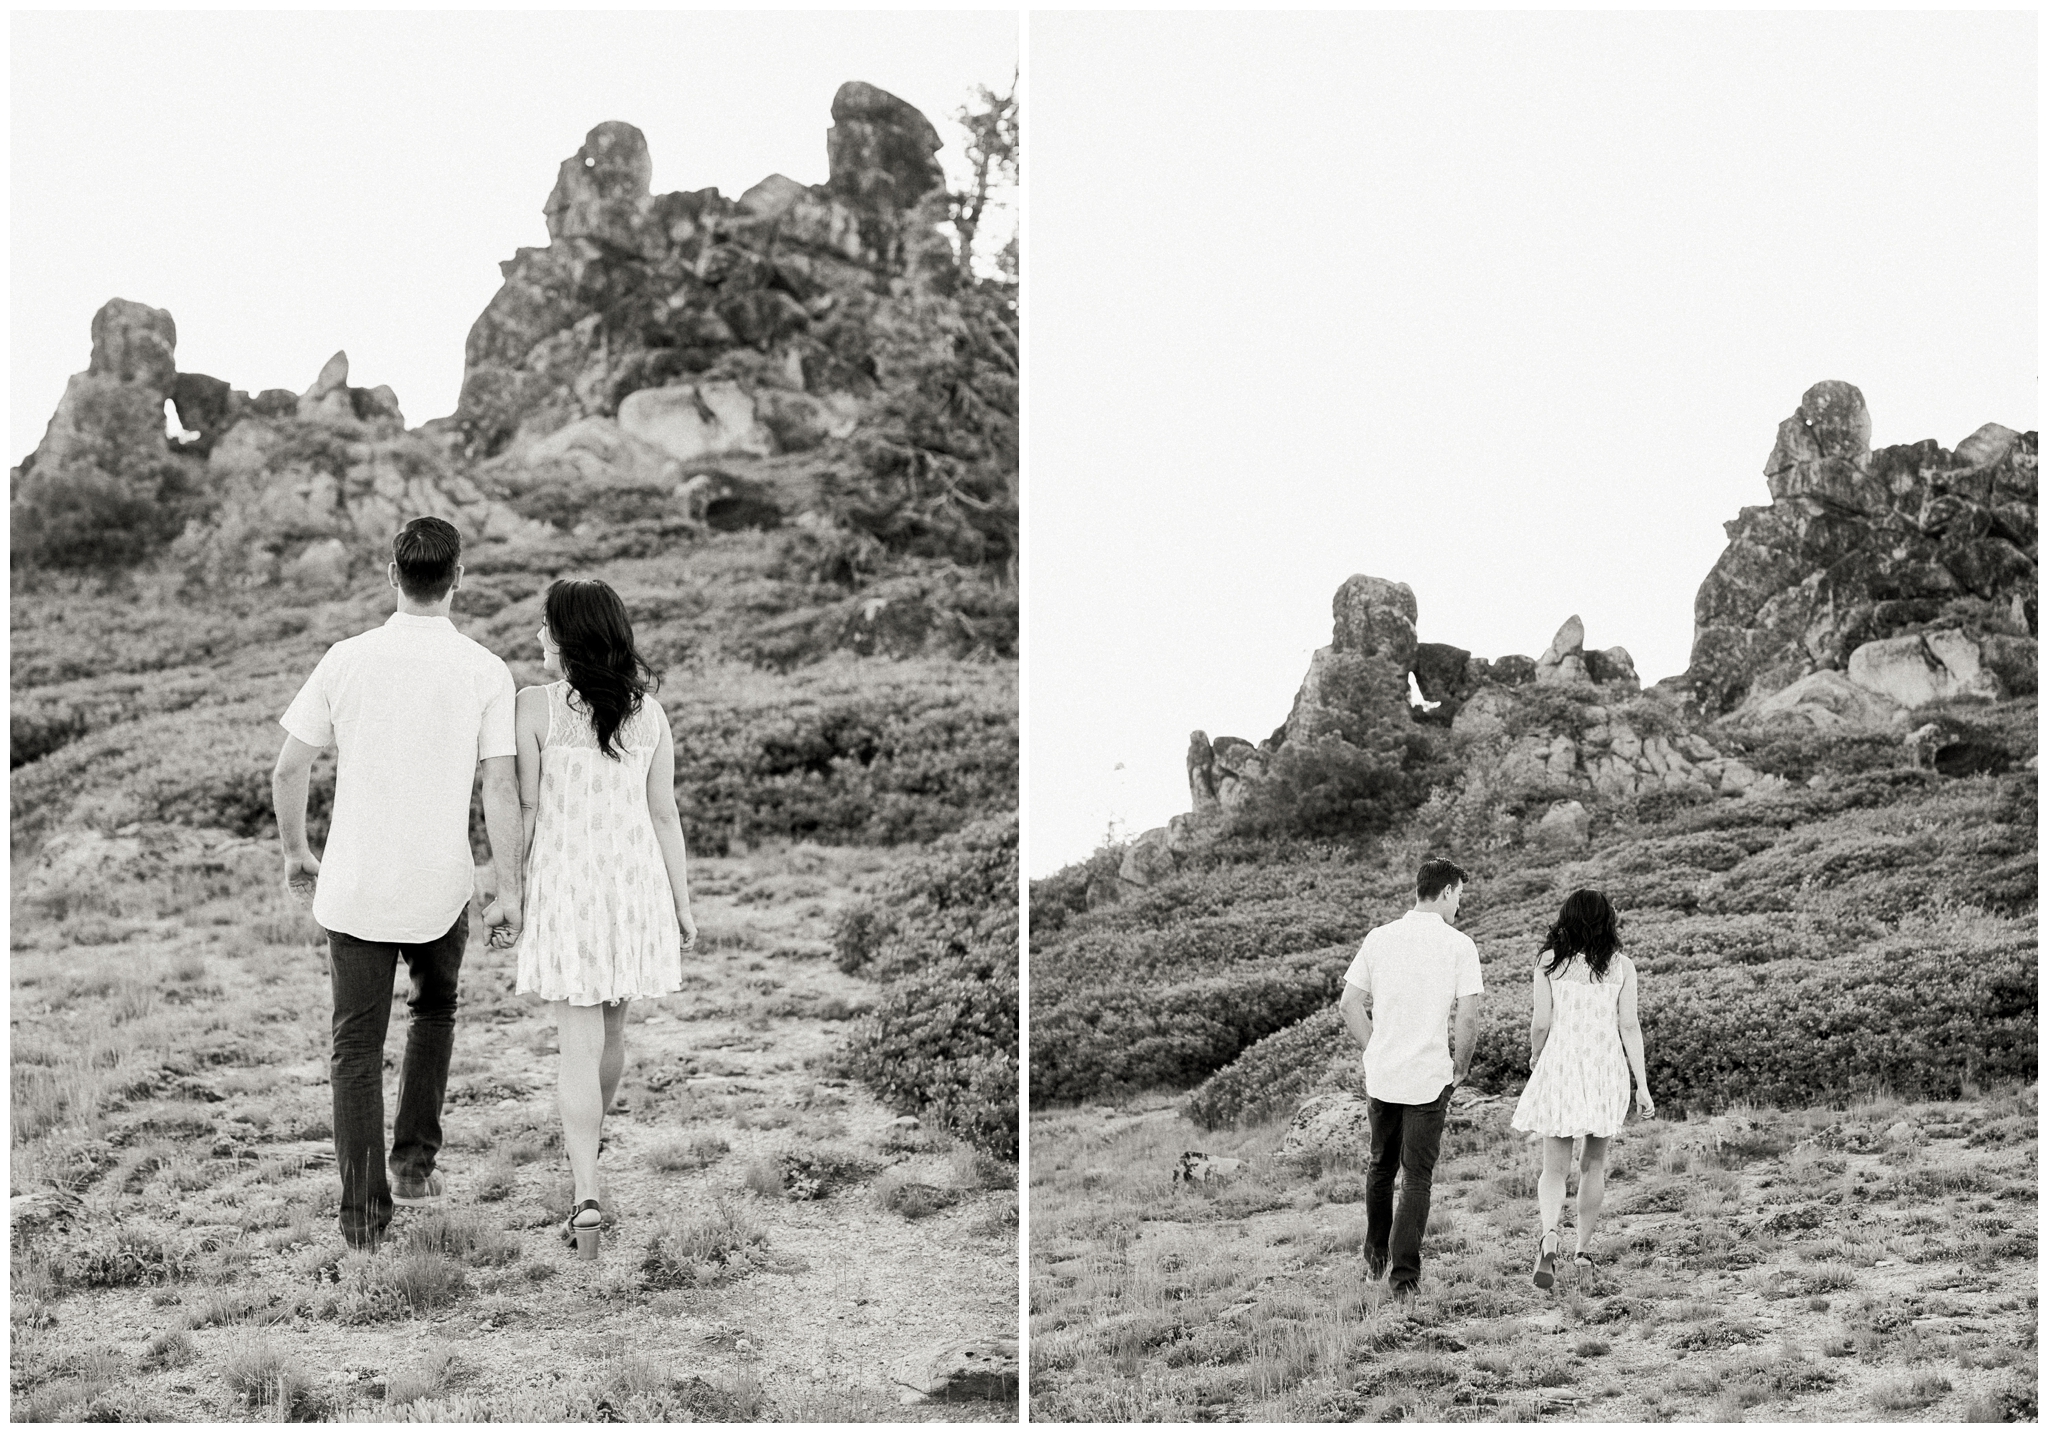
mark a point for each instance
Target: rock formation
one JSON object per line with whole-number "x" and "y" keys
{"x": 1859, "y": 547}
{"x": 1873, "y": 584}
{"x": 705, "y": 325}
{"x": 660, "y": 364}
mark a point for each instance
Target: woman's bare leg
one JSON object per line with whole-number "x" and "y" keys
{"x": 612, "y": 1067}
{"x": 1550, "y": 1185}
{"x": 581, "y": 1031}
{"x": 1592, "y": 1187}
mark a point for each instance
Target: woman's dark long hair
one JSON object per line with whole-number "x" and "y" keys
{"x": 1586, "y": 926}
{"x": 589, "y": 623}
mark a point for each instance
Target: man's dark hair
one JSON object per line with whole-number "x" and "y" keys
{"x": 1435, "y": 878}
{"x": 426, "y": 550}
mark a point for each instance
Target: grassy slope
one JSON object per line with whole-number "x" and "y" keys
{"x": 175, "y": 1256}
{"x": 134, "y": 703}
{"x": 1800, "y": 1266}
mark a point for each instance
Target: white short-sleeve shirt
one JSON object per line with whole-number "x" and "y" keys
{"x": 1415, "y": 969}
{"x": 411, "y": 708}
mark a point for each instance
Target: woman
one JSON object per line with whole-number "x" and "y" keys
{"x": 1579, "y": 1077}
{"x": 607, "y": 915}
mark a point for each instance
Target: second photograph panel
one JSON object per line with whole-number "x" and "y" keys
{"x": 1531, "y": 721}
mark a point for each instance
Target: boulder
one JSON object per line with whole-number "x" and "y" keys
{"x": 1148, "y": 859}
{"x": 601, "y": 191}
{"x": 1336, "y": 1124}
{"x": 327, "y": 401}
{"x": 1915, "y": 670}
{"x": 1828, "y": 701}
{"x": 1238, "y": 767}
{"x": 882, "y": 150}
{"x": 322, "y": 568}
{"x": 1613, "y": 667}
{"x": 1201, "y": 774}
{"x": 701, "y": 420}
{"x": 1373, "y": 616}
{"x": 962, "y": 1371}
{"x": 1485, "y": 714}
{"x": 1564, "y": 661}
{"x": 135, "y": 345}
{"x": 1566, "y": 824}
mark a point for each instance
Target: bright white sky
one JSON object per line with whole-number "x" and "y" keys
{"x": 1505, "y": 306}
{"x": 291, "y": 183}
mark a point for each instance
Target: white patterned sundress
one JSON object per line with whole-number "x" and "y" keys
{"x": 1581, "y": 1081}
{"x": 600, "y": 919}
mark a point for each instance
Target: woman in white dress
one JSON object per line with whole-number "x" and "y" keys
{"x": 1584, "y": 1044}
{"x": 607, "y": 915}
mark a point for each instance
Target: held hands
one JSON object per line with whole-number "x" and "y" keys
{"x": 1646, "y": 1108}
{"x": 301, "y": 874}
{"x": 502, "y": 922}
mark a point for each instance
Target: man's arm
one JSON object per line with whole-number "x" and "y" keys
{"x": 289, "y": 781}
{"x": 502, "y": 825}
{"x": 1468, "y": 1038}
{"x": 1357, "y": 1018}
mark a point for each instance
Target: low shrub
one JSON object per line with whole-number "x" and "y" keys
{"x": 1272, "y": 1075}
{"x": 1087, "y": 1044}
{"x": 870, "y": 751}
{"x": 942, "y": 1043}
{"x": 960, "y": 898}
{"x": 701, "y": 1251}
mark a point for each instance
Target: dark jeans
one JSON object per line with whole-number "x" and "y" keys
{"x": 363, "y": 970}
{"x": 1404, "y": 1137}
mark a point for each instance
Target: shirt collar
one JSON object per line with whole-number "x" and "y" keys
{"x": 1428, "y": 915}
{"x": 407, "y": 619}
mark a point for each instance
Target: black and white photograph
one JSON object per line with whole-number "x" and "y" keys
{"x": 514, "y": 708}
{"x": 1531, "y": 748}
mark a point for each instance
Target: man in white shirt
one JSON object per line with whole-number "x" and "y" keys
{"x": 1410, "y": 972}
{"x": 412, "y": 707}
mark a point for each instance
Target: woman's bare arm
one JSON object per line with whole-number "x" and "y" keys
{"x": 1632, "y": 1038}
{"x": 1539, "y": 1018}
{"x": 529, "y": 727}
{"x": 668, "y": 822}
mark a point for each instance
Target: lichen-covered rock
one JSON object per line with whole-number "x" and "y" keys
{"x": 1860, "y": 546}
{"x": 136, "y": 345}
{"x": 1934, "y": 666}
{"x": 766, "y": 312}
{"x": 1372, "y": 616}
{"x": 1332, "y": 1124}
{"x": 1828, "y": 701}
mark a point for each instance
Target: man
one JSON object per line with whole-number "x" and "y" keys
{"x": 411, "y": 707}
{"x": 1411, "y": 971}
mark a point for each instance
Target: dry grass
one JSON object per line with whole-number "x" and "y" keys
{"x": 177, "y": 1258}
{"x": 1764, "y": 1277}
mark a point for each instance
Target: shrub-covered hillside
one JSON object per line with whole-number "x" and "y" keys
{"x": 1872, "y": 923}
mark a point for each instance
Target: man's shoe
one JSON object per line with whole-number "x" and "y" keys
{"x": 1375, "y": 1266}
{"x": 1404, "y": 1292}
{"x": 418, "y": 1192}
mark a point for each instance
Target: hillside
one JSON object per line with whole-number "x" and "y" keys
{"x": 1822, "y": 843}
{"x": 1855, "y": 836}
{"x": 783, "y": 427}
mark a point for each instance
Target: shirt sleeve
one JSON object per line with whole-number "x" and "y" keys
{"x": 495, "y": 737}
{"x": 310, "y": 717}
{"x": 1469, "y": 981}
{"x": 1360, "y": 971}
